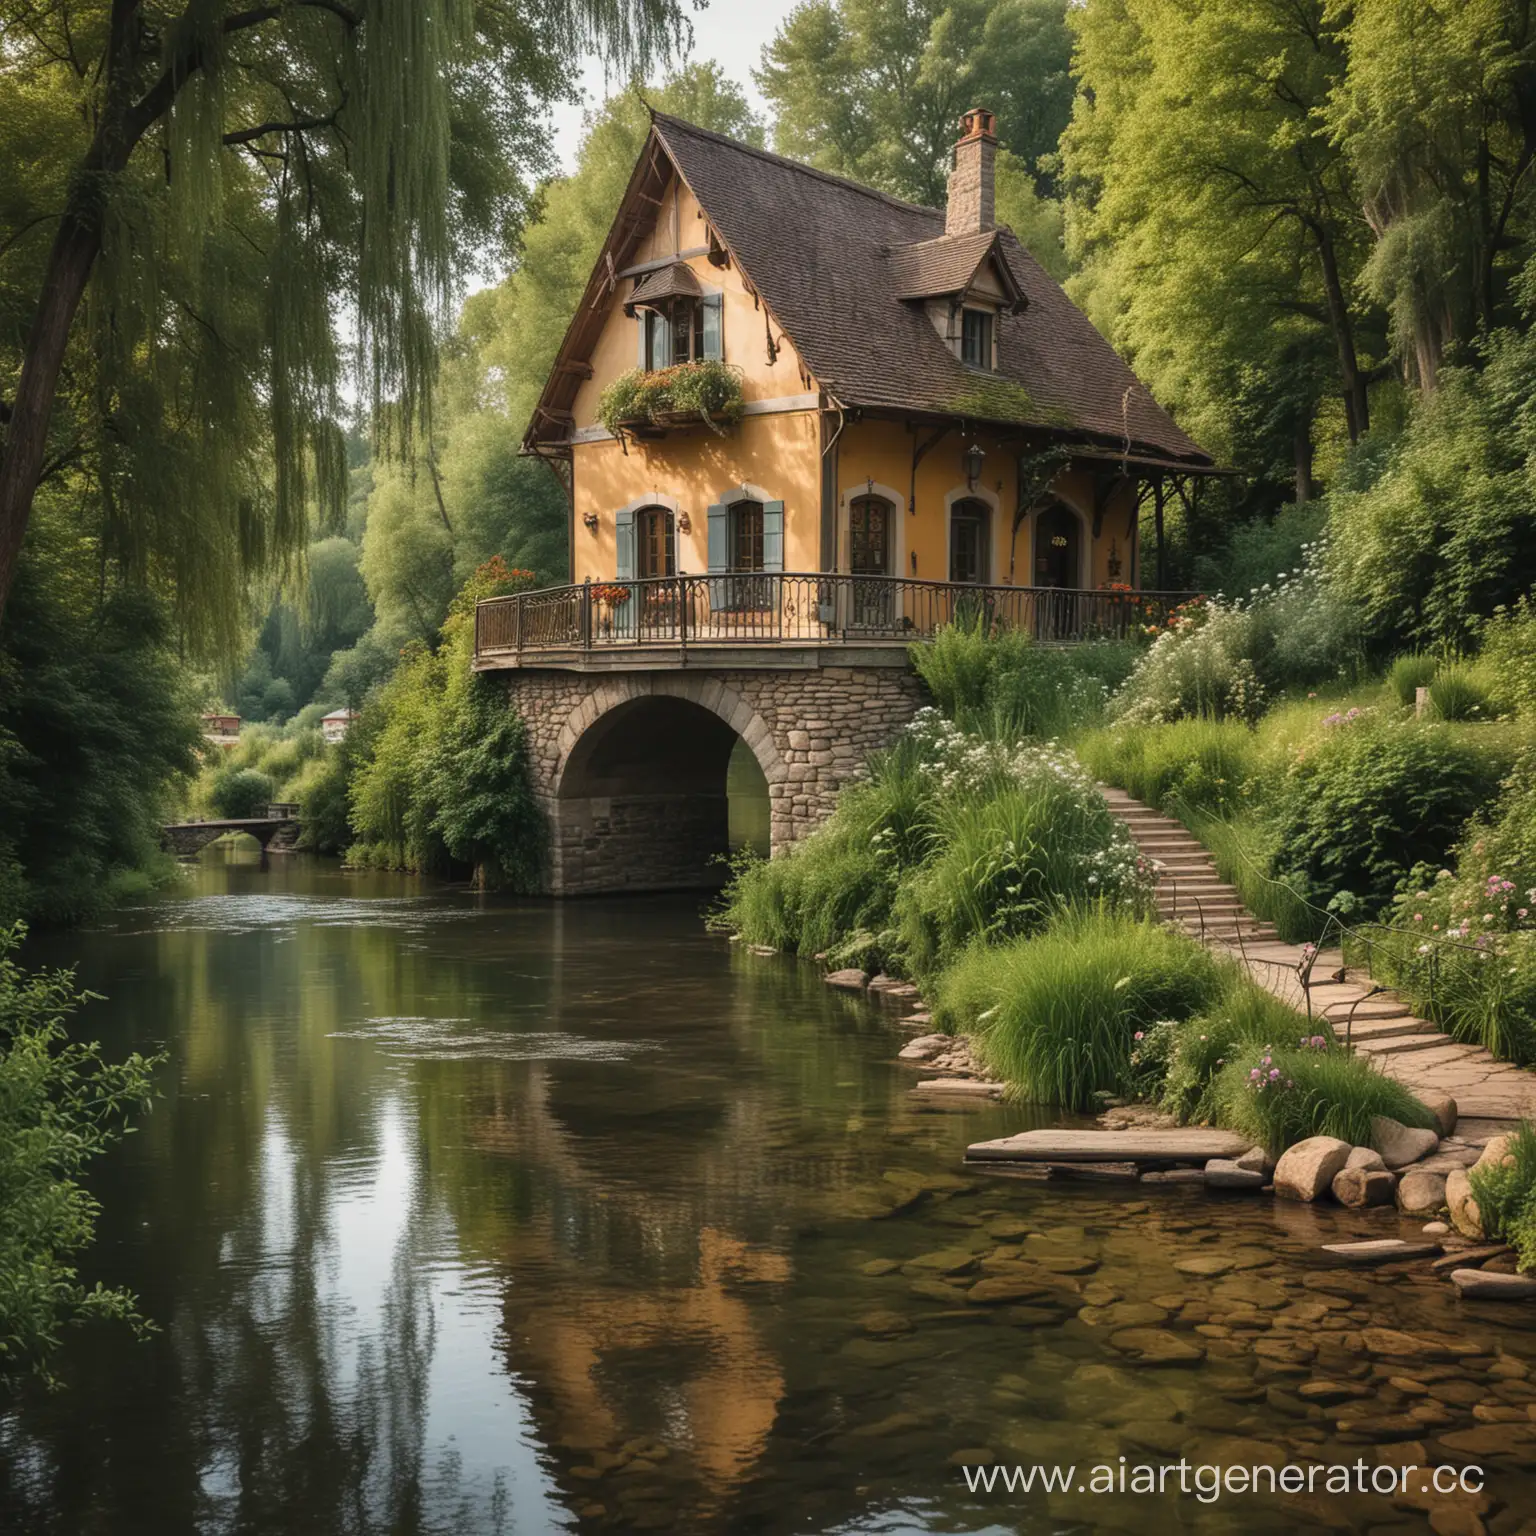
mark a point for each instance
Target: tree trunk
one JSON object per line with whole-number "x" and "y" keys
{"x": 1304, "y": 486}
{"x": 1357, "y": 409}
{"x": 74, "y": 252}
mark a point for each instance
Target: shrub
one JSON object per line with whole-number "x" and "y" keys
{"x": 1200, "y": 665}
{"x": 1456, "y": 695}
{"x": 1009, "y": 862}
{"x": 1005, "y": 685}
{"x": 1196, "y": 1050}
{"x": 1286, "y": 1093}
{"x": 955, "y": 836}
{"x": 1508, "y": 657}
{"x": 61, "y": 1106}
{"x": 1368, "y": 800}
{"x": 241, "y": 793}
{"x": 1057, "y": 1016}
{"x": 1410, "y": 673}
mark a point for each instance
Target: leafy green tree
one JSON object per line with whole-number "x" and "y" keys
{"x": 61, "y": 1105}
{"x": 1436, "y": 115}
{"x": 874, "y": 89}
{"x": 241, "y": 793}
{"x": 215, "y": 176}
{"x": 1215, "y": 218}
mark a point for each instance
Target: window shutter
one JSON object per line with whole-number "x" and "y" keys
{"x": 714, "y": 326}
{"x": 661, "y": 341}
{"x": 773, "y": 535}
{"x": 719, "y": 554}
{"x": 624, "y": 542}
{"x": 642, "y": 328}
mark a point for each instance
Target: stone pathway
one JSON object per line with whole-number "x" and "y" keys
{"x": 1377, "y": 1021}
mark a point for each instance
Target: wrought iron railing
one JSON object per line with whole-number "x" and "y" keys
{"x": 807, "y": 608}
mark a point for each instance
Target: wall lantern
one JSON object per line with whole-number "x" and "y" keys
{"x": 590, "y": 519}
{"x": 683, "y": 525}
{"x": 973, "y": 460}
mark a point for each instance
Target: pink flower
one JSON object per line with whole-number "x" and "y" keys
{"x": 1418, "y": 917}
{"x": 1139, "y": 1034}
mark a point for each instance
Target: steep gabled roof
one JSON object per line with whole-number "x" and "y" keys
{"x": 832, "y": 260}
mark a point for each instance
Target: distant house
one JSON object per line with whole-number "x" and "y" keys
{"x": 221, "y": 729}
{"x": 918, "y": 401}
{"x": 334, "y": 726}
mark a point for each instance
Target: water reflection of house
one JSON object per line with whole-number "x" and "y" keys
{"x": 334, "y": 726}
{"x": 222, "y": 730}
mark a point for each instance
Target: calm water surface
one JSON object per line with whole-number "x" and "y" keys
{"x": 465, "y": 1216}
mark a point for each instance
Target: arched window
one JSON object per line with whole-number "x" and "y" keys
{"x": 970, "y": 541}
{"x": 655, "y": 543}
{"x": 1058, "y": 547}
{"x": 869, "y": 536}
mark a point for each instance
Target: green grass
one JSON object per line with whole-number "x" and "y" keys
{"x": 1410, "y": 673}
{"x": 1205, "y": 764}
{"x": 1323, "y": 1092}
{"x": 1456, "y": 694}
{"x": 1242, "y": 849}
{"x": 1056, "y": 1016}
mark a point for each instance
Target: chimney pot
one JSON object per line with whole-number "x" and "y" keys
{"x": 972, "y": 204}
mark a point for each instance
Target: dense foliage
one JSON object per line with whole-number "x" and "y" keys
{"x": 440, "y": 763}
{"x": 97, "y": 727}
{"x": 955, "y": 837}
{"x": 61, "y": 1105}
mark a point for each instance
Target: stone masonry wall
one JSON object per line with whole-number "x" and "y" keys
{"x": 811, "y": 730}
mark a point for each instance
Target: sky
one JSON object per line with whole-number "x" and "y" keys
{"x": 731, "y": 32}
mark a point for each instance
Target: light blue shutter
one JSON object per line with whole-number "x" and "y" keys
{"x": 643, "y": 320}
{"x": 623, "y": 614}
{"x": 714, "y": 326}
{"x": 661, "y": 341}
{"x": 624, "y": 541}
{"x": 719, "y": 554}
{"x": 773, "y": 535}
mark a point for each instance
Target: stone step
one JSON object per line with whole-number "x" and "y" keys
{"x": 1405, "y": 1045}
{"x": 1392, "y": 1029}
{"x": 1377, "y": 1008}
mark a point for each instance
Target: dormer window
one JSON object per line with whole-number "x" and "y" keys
{"x": 679, "y": 320}
{"x": 976, "y": 338}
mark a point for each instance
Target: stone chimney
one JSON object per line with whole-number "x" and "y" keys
{"x": 973, "y": 182}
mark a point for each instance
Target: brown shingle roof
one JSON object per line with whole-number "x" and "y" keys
{"x": 676, "y": 281}
{"x": 817, "y": 248}
{"x": 949, "y": 264}
{"x": 831, "y": 259}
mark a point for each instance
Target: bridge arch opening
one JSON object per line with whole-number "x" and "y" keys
{"x": 652, "y": 795}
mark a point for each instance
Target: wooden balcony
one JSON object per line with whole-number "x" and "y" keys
{"x": 711, "y": 620}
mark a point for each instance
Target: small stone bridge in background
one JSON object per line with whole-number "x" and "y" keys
{"x": 187, "y": 839}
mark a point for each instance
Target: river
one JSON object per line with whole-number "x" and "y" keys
{"x": 478, "y": 1216}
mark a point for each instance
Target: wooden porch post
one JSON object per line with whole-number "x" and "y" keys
{"x": 1157, "y": 523}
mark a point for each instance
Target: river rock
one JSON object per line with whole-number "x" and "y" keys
{"x": 1155, "y": 1346}
{"x": 1400, "y": 1144}
{"x": 1496, "y": 1152}
{"x": 1185, "y": 1144}
{"x": 1367, "y": 1159}
{"x": 1224, "y": 1173}
{"x": 1308, "y": 1168}
{"x": 1420, "y": 1194}
{"x": 1483, "y": 1285}
{"x": 1443, "y": 1107}
{"x": 850, "y": 981}
{"x": 1465, "y": 1215}
{"x": 1379, "y": 1250}
{"x": 1256, "y": 1160}
{"x": 1356, "y": 1187}
{"x": 925, "y": 1047}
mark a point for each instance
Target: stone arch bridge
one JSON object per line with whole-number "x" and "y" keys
{"x": 630, "y": 760}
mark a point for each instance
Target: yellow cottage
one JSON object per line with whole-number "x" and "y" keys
{"x": 793, "y": 408}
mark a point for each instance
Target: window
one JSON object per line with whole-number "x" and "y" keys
{"x": 970, "y": 539}
{"x": 655, "y": 552}
{"x": 680, "y": 330}
{"x": 746, "y": 536}
{"x": 976, "y": 338}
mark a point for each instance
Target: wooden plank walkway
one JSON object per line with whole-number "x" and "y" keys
{"x": 1192, "y": 894}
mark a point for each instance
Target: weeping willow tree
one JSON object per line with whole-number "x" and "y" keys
{"x": 195, "y": 198}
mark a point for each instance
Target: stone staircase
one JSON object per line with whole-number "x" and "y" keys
{"x": 1377, "y": 1022}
